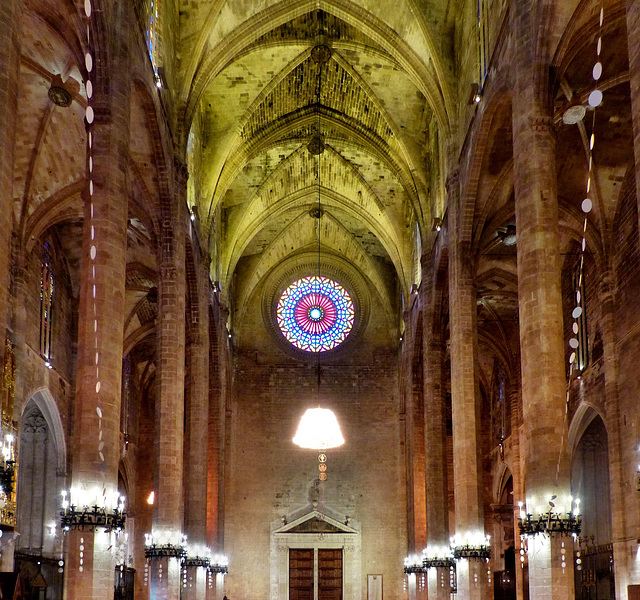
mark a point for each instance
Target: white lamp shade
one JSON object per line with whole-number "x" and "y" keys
{"x": 318, "y": 430}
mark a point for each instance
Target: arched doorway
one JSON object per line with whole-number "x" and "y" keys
{"x": 504, "y": 541}
{"x": 590, "y": 482}
{"x": 41, "y": 478}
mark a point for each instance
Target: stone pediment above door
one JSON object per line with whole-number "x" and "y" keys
{"x": 315, "y": 522}
{"x": 310, "y": 529}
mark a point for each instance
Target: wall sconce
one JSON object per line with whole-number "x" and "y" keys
{"x": 437, "y": 224}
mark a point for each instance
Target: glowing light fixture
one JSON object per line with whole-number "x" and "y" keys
{"x": 318, "y": 430}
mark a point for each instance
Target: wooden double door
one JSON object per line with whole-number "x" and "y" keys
{"x": 315, "y": 574}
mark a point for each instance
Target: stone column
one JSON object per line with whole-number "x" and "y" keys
{"x": 216, "y": 591}
{"x": 20, "y": 291}
{"x": 142, "y": 449}
{"x": 169, "y": 410}
{"x": 624, "y": 514}
{"x": 544, "y": 449}
{"x": 90, "y": 564}
{"x": 518, "y": 483}
{"x": 10, "y": 36}
{"x": 465, "y": 399}
{"x": 197, "y": 417}
{"x": 633, "y": 40}
{"x": 434, "y": 435}
{"x": 414, "y": 436}
{"x": 215, "y": 424}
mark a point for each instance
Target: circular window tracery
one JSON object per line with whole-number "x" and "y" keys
{"x": 315, "y": 314}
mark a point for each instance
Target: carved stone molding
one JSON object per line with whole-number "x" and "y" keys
{"x": 181, "y": 170}
{"x": 168, "y": 272}
{"x": 453, "y": 180}
{"x": 542, "y": 124}
{"x": 34, "y": 423}
{"x": 102, "y": 114}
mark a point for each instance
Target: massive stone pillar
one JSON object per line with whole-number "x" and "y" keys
{"x": 197, "y": 417}
{"x": 518, "y": 483}
{"x": 214, "y": 443}
{"x": 96, "y": 441}
{"x": 624, "y": 514}
{"x": 10, "y": 35}
{"x": 215, "y": 448}
{"x": 414, "y": 435}
{"x": 633, "y": 39}
{"x": 434, "y": 437}
{"x": 169, "y": 411}
{"x": 544, "y": 449}
{"x": 20, "y": 296}
{"x": 465, "y": 401}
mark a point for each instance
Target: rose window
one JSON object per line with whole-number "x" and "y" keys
{"x": 315, "y": 314}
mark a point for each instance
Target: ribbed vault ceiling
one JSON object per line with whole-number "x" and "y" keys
{"x": 257, "y": 94}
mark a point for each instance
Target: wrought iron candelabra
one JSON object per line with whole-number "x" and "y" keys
{"x": 89, "y": 518}
{"x": 550, "y": 522}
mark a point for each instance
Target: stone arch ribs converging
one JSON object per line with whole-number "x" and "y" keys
{"x": 379, "y": 95}
{"x": 203, "y": 69}
{"x": 265, "y": 127}
{"x": 286, "y": 191}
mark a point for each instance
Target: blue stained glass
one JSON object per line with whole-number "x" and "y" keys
{"x": 315, "y": 314}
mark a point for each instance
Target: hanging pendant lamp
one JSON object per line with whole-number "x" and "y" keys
{"x": 318, "y": 430}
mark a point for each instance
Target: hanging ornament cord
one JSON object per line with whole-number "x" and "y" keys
{"x": 594, "y": 100}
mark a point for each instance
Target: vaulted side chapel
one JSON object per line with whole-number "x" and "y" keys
{"x": 319, "y": 299}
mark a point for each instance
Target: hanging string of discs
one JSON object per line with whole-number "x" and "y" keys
{"x": 594, "y": 100}
{"x": 93, "y": 251}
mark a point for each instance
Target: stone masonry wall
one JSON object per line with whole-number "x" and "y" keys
{"x": 268, "y": 477}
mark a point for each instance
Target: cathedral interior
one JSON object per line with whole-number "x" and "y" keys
{"x": 420, "y": 216}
